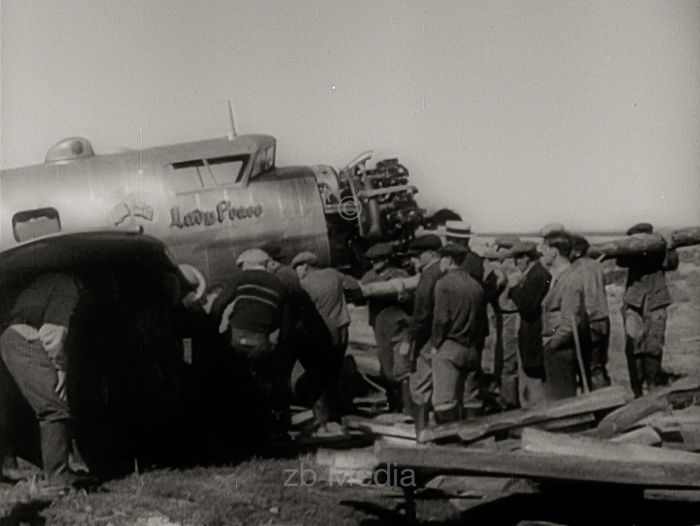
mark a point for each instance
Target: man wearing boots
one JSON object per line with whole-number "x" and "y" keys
{"x": 388, "y": 319}
{"x": 644, "y": 307}
{"x": 456, "y": 335}
{"x": 414, "y": 356}
{"x": 32, "y": 349}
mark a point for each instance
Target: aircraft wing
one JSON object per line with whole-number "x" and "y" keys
{"x": 108, "y": 250}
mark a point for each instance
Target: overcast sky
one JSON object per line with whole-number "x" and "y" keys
{"x": 515, "y": 113}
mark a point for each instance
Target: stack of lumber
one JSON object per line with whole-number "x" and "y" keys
{"x": 650, "y": 442}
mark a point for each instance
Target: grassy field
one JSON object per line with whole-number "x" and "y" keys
{"x": 267, "y": 491}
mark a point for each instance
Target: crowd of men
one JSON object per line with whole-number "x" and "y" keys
{"x": 539, "y": 311}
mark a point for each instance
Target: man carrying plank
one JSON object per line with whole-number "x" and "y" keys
{"x": 644, "y": 308}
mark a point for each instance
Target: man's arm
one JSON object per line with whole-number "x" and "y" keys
{"x": 441, "y": 314}
{"x": 571, "y": 306}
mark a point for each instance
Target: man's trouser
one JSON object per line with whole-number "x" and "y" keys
{"x": 421, "y": 380}
{"x": 560, "y": 368}
{"x": 330, "y": 404}
{"x": 506, "y": 366}
{"x": 451, "y": 365}
{"x": 599, "y": 343}
{"x": 645, "y": 333}
{"x": 35, "y": 375}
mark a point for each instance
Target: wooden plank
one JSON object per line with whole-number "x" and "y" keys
{"x": 602, "y": 399}
{"x": 467, "y": 460}
{"x": 373, "y": 427}
{"x": 626, "y": 417}
{"x": 644, "y": 435}
{"x": 673, "y": 495}
{"x": 538, "y": 441}
{"x": 568, "y": 422}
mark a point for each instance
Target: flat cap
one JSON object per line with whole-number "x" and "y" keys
{"x": 641, "y": 228}
{"x": 522, "y": 248}
{"x": 458, "y": 229}
{"x": 273, "y": 249}
{"x": 551, "y": 228}
{"x": 425, "y": 242}
{"x": 380, "y": 250}
{"x": 253, "y": 256}
{"x": 304, "y": 257}
{"x": 452, "y": 249}
{"x": 506, "y": 241}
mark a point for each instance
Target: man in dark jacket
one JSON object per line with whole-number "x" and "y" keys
{"x": 415, "y": 349}
{"x": 528, "y": 288}
{"x": 459, "y": 232}
{"x": 644, "y": 311}
{"x": 32, "y": 349}
{"x": 457, "y": 333}
{"x": 388, "y": 318}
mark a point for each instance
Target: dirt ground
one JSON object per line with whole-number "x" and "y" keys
{"x": 280, "y": 491}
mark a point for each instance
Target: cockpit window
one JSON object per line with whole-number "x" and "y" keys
{"x": 264, "y": 160}
{"x": 228, "y": 170}
{"x": 31, "y": 224}
{"x": 205, "y": 174}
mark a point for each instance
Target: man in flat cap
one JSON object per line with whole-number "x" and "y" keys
{"x": 457, "y": 333}
{"x": 595, "y": 352}
{"x": 564, "y": 313}
{"x": 414, "y": 358}
{"x": 644, "y": 310}
{"x": 459, "y": 232}
{"x": 252, "y": 313}
{"x": 528, "y": 287}
{"x": 388, "y": 317}
{"x": 504, "y": 333}
{"x": 326, "y": 288}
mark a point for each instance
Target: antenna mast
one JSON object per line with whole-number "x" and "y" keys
{"x": 232, "y": 133}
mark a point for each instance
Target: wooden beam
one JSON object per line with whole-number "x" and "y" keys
{"x": 373, "y": 427}
{"x": 685, "y": 237}
{"x": 626, "y": 417}
{"x": 602, "y": 399}
{"x": 460, "y": 459}
{"x": 538, "y": 441}
{"x": 633, "y": 245}
{"x": 644, "y": 435}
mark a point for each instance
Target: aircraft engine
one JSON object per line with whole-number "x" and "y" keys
{"x": 367, "y": 205}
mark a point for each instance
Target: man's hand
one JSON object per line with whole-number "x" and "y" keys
{"x": 61, "y": 384}
{"x": 404, "y": 348}
{"x": 52, "y": 337}
{"x": 514, "y": 279}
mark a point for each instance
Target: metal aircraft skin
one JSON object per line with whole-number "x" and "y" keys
{"x": 206, "y": 200}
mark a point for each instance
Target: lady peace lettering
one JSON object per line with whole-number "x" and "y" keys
{"x": 223, "y": 211}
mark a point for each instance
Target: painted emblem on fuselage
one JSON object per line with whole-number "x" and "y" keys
{"x": 224, "y": 211}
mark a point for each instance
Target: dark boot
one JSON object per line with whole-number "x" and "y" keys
{"x": 446, "y": 416}
{"x": 409, "y": 407}
{"x": 422, "y": 417}
{"x": 652, "y": 371}
{"x": 55, "y": 447}
{"x": 393, "y": 398}
{"x": 599, "y": 379}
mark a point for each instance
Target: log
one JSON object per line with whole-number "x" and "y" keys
{"x": 459, "y": 459}
{"x": 390, "y": 287}
{"x": 685, "y": 237}
{"x": 538, "y": 441}
{"x": 626, "y": 417}
{"x": 602, "y": 399}
{"x": 636, "y": 244}
{"x": 373, "y": 427}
